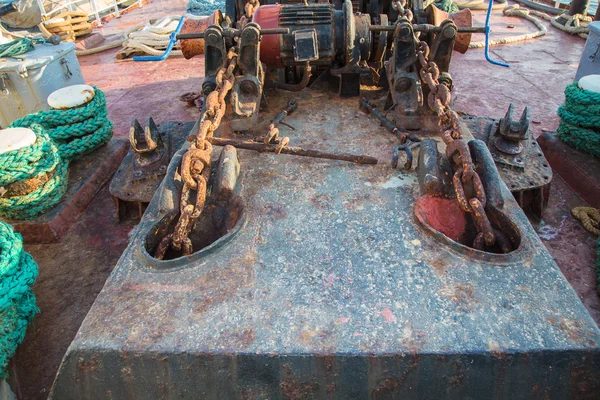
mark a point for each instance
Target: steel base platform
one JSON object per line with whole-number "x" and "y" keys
{"x": 330, "y": 288}
{"x": 86, "y": 178}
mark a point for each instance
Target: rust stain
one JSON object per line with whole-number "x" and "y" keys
{"x": 460, "y": 294}
{"x": 385, "y": 388}
{"x": 456, "y": 379}
{"x": 317, "y": 336}
{"x": 88, "y": 365}
{"x": 307, "y": 336}
{"x": 221, "y": 283}
{"x": 412, "y": 340}
{"x": 321, "y": 201}
{"x": 439, "y": 265}
{"x": 574, "y": 330}
{"x": 275, "y": 211}
{"x": 239, "y": 339}
{"x": 292, "y": 389}
{"x": 583, "y": 384}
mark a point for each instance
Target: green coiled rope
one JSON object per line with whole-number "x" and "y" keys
{"x": 447, "y": 5}
{"x": 16, "y": 47}
{"x": 18, "y": 271}
{"x": 76, "y": 131}
{"x": 39, "y": 160}
{"x": 580, "y": 120}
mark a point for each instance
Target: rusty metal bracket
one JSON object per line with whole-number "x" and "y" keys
{"x": 443, "y": 44}
{"x": 247, "y": 89}
{"x": 144, "y": 167}
{"x": 147, "y": 146}
{"x": 509, "y": 137}
{"x": 405, "y": 85}
{"x": 216, "y": 56}
{"x": 522, "y": 165}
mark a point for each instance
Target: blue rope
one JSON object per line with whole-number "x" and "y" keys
{"x": 487, "y": 37}
{"x": 205, "y": 7}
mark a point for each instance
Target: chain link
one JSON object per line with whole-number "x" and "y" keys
{"x": 398, "y": 5}
{"x": 466, "y": 179}
{"x": 196, "y": 164}
{"x": 249, "y": 10}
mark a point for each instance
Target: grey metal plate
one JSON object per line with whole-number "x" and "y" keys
{"x": 332, "y": 289}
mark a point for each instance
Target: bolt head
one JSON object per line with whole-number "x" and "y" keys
{"x": 449, "y": 32}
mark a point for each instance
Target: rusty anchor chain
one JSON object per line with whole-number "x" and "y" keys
{"x": 196, "y": 163}
{"x": 249, "y": 9}
{"x": 399, "y": 5}
{"x": 467, "y": 184}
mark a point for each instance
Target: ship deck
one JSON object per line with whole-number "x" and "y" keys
{"x": 73, "y": 271}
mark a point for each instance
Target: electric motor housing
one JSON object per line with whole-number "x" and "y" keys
{"x": 318, "y": 34}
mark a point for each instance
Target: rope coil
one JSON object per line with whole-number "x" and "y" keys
{"x": 590, "y": 219}
{"x": 580, "y": 120}
{"x": 18, "y": 271}
{"x": 76, "y": 131}
{"x": 40, "y": 163}
{"x": 16, "y": 47}
{"x": 516, "y": 11}
{"x": 204, "y": 7}
{"x": 154, "y": 38}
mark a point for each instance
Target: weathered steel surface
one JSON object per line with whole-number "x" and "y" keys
{"x": 138, "y": 176}
{"x": 332, "y": 289}
{"x": 527, "y": 174}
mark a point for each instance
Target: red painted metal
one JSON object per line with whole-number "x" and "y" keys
{"x": 267, "y": 17}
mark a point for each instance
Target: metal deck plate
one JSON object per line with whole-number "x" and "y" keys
{"x": 332, "y": 289}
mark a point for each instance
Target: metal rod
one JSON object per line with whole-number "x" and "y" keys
{"x": 234, "y": 33}
{"x": 296, "y": 151}
{"x": 368, "y": 107}
{"x": 291, "y": 107}
{"x": 427, "y": 28}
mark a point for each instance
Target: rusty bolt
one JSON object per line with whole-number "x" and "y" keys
{"x": 190, "y": 98}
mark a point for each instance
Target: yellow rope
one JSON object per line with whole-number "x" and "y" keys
{"x": 589, "y": 217}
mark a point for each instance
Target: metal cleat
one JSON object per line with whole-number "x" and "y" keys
{"x": 519, "y": 158}
{"x": 144, "y": 167}
{"x": 510, "y": 133}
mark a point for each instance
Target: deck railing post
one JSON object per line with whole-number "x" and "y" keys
{"x": 579, "y": 7}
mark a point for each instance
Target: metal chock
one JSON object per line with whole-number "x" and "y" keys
{"x": 511, "y": 133}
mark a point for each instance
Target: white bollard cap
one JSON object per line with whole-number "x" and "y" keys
{"x": 591, "y": 83}
{"x": 15, "y": 138}
{"x": 71, "y": 96}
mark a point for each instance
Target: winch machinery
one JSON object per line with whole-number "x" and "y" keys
{"x": 291, "y": 45}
